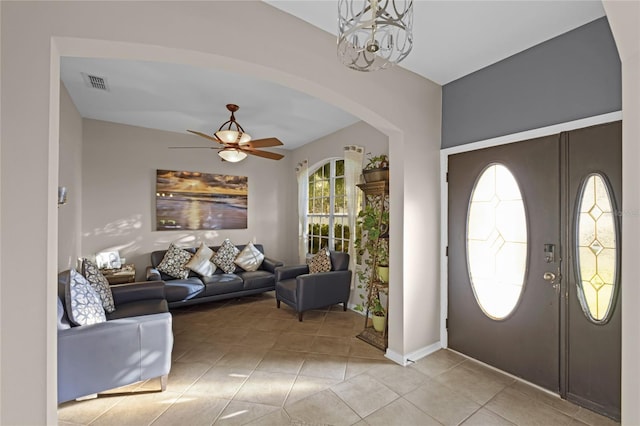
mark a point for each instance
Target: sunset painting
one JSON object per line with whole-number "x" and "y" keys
{"x": 195, "y": 200}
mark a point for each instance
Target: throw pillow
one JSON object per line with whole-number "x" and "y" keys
{"x": 83, "y": 303}
{"x": 320, "y": 262}
{"x": 99, "y": 283}
{"x": 250, "y": 258}
{"x": 200, "y": 263}
{"x": 225, "y": 256}
{"x": 174, "y": 261}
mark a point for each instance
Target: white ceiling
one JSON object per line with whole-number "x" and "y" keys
{"x": 451, "y": 39}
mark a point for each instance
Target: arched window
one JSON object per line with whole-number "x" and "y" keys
{"x": 327, "y": 211}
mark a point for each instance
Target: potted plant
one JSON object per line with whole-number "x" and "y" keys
{"x": 377, "y": 168}
{"x": 383, "y": 260}
{"x": 379, "y": 315}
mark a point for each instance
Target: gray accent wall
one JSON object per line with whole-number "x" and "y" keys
{"x": 572, "y": 76}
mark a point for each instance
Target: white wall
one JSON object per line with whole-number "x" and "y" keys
{"x": 272, "y": 45}
{"x": 69, "y": 175}
{"x": 624, "y": 18}
{"x": 118, "y": 186}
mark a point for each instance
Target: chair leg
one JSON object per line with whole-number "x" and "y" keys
{"x": 278, "y": 304}
{"x": 344, "y": 306}
{"x": 300, "y": 316}
{"x": 163, "y": 382}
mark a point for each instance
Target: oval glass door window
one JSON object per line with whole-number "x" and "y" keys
{"x": 497, "y": 242}
{"x": 597, "y": 258}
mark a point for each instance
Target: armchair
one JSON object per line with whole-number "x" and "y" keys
{"x": 133, "y": 345}
{"x": 303, "y": 291}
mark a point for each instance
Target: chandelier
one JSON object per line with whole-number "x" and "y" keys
{"x": 374, "y": 34}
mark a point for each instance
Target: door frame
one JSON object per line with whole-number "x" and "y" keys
{"x": 444, "y": 195}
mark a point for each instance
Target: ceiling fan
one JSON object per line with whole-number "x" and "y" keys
{"x": 236, "y": 144}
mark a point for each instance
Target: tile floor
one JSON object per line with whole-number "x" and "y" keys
{"x": 245, "y": 362}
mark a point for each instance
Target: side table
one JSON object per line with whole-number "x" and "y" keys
{"x": 126, "y": 274}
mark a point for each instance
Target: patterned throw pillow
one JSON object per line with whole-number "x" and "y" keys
{"x": 250, "y": 258}
{"x": 99, "y": 284}
{"x": 174, "y": 262}
{"x": 200, "y": 263}
{"x": 83, "y": 303}
{"x": 320, "y": 262}
{"x": 225, "y": 256}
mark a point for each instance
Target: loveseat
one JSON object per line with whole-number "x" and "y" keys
{"x": 133, "y": 344}
{"x": 219, "y": 286}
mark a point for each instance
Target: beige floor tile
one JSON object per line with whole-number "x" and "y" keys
{"x": 193, "y": 411}
{"x": 338, "y": 330}
{"x": 294, "y": 342}
{"x": 273, "y": 324}
{"x": 364, "y": 394}
{"x": 556, "y": 402}
{"x": 576, "y": 422}
{"x": 331, "y": 345}
{"x": 400, "y": 412}
{"x": 276, "y": 418}
{"x": 399, "y": 379}
{"x": 225, "y": 335}
{"x": 304, "y": 327}
{"x": 523, "y": 410}
{"x": 315, "y": 315}
{"x": 438, "y": 362}
{"x": 282, "y": 362}
{"x": 240, "y": 413}
{"x": 220, "y": 382}
{"x": 594, "y": 419}
{"x": 487, "y": 372}
{"x": 306, "y": 386}
{"x": 266, "y": 388}
{"x": 322, "y": 408}
{"x": 327, "y": 366}
{"x": 259, "y": 339}
{"x": 63, "y": 423}
{"x": 242, "y": 357}
{"x": 83, "y": 412}
{"x": 356, "y": 366}
{"x": 441, "y": 403}
{"x": 477, "y": 385}
{"x": 137, "y": 410}
{"x": 484, "y": 417}
{"x": 184, "y": 374}
{"x": 181, "y": 344}
{"x": 204, "y": 352}
{"x": 364, "y": 350}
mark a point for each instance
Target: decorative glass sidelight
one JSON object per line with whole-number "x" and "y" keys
{"x": 497, "y": 242}
{"x": 597, "y": 249}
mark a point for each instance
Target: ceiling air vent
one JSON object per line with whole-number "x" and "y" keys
{"x": 95, "y": 82}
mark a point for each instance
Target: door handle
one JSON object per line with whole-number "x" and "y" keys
{"x": 553, "y": 279}
{"x": 549, "y": 276}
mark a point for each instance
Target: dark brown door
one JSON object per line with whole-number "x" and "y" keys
{"x": 546, "y": 334}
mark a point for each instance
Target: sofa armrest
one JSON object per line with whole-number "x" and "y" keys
{"x": 153, "y": 274}
{"x": 270, "y": 265}
{"x": 133, "y": 292}
{"x": 322, "y": 289}
{"x": 288, "y": 272}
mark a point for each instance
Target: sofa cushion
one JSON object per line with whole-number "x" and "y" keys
{"x": 320, "y": 262}
{"x": 250, "y": 258}
{"x": 139, "y": 308}
{"x": 99, "y": 283}
{"x": 63, "y": 321}
{"x": 183, "y": 289}
{"x": 257, "y": 279}
{"x": 201, "y": 262}
{"x": 286, "y": 290}
{"x": 83, "y": 303}
{"x": 174, "y": 261}
{"x": 222, "y": 284}
{"x": 225, "y": 256}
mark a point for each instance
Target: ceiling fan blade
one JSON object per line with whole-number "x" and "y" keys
{"x": 193, "y": 147}
{"x": 204, "y": 135}
{"x": 264, "y": 143}
{"x": 264, "y": 154}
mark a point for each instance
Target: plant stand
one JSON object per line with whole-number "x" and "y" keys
{"x": 376, "y": 193}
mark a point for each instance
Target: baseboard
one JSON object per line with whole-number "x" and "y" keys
{"x": 414, "y": 356}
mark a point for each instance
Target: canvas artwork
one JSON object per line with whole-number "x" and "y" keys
{"x": 195, "y": 200}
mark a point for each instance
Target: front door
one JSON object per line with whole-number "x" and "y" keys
{"x": 525, "y": 292}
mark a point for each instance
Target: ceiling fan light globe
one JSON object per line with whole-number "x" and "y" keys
{"x": 228, "y": 136}
{"x": 245, "y": 138}
{"x": 232, "y": 155}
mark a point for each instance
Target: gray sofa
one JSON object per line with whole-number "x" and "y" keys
{"x": 133, "y": 345}
{"x": 196, "y": 289}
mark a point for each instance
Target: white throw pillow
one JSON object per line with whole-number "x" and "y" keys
{"x": 200, "y": 263}
{"x": 84, "y": 306}
{"x": 250, "y": 258}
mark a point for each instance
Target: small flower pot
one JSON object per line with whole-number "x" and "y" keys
{"x": 375, "y": 175}
{"x": 378, "y": 322}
